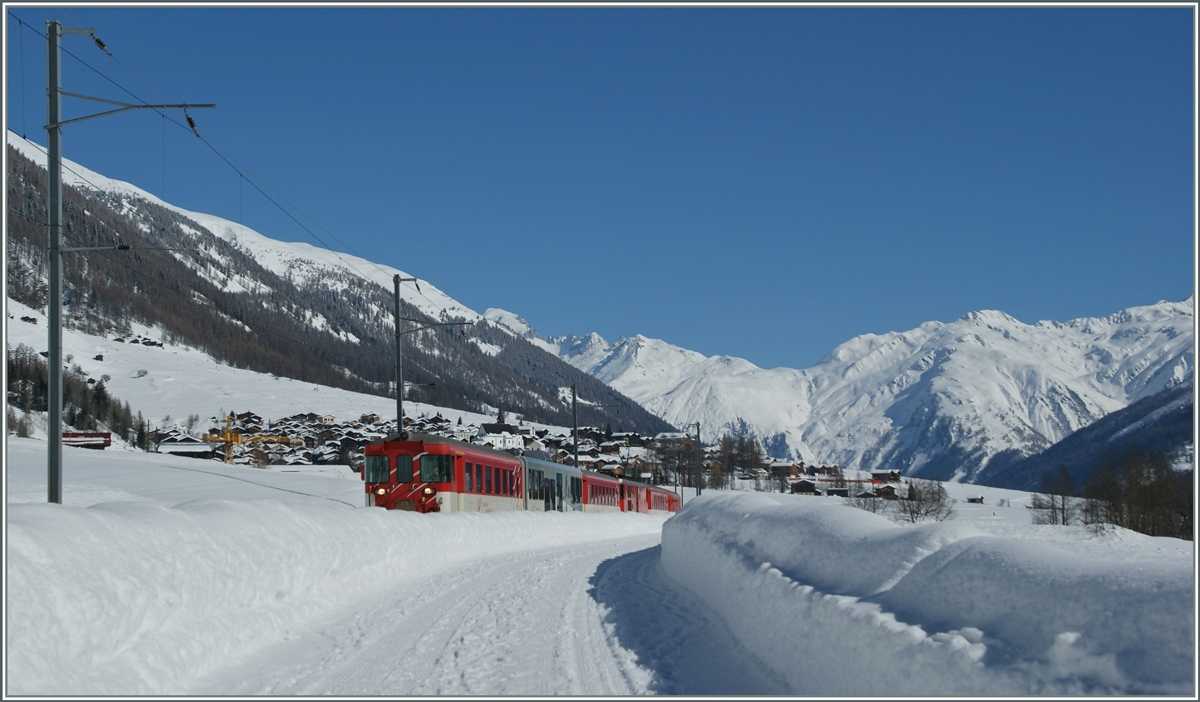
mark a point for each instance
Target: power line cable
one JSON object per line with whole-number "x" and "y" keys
{"x": 222, "y": 154}
{"x": 21, "y": 40}
{"x": 143, "y": 277}
{"x": 113, "y": 201}
{"x": 216, "y": 148}
{"x": 240, "y": 166}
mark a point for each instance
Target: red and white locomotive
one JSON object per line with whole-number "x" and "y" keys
{"x": 425, "y": 473}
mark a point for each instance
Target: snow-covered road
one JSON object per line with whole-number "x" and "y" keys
{"x": 203, "y": 579}
{"x": 518, "y": 624}
{"x": 587, "y": 619}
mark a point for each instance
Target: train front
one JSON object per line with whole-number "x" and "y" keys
{"x": 408, "y": 473}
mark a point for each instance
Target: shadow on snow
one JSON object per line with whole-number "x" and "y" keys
{"x": 674, "y": 635}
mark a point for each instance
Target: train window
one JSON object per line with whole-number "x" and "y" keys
{"x": 478, "y": 477}
{"x": 467, "y": 481}
{"x": 437, "y": 469}
{"x": 404, "y": 468}
{"x": 375, "y": 469}
{"x": 487, "y": 474}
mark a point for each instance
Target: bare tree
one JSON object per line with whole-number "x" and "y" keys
{"x": 1056, "y": 503}
{"x": 926, "y": 499}
{"x": 875, "y": 505}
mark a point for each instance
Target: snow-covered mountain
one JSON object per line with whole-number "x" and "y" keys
{"x": 287, "y": 308}
{"x": 301, "y": 263}
{"x": 943, "y": 399}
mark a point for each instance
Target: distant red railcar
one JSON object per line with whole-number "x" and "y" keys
{"x": 424, "y": 473}
{"x": 87, "y": 439}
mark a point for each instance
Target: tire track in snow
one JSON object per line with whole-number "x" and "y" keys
{"x": 518, "y": 624}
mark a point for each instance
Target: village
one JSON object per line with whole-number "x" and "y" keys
{"x": 664, "y": 459}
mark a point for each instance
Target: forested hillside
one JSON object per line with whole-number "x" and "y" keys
{"x": 333, "y": 329}
{"x": 1160, "y": 424}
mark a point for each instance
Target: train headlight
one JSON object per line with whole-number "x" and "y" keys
{"x": 381, "y": 491}
{"x": 430, "y": 491}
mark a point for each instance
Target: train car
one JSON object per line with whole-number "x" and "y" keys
{"x": 601, "y": 493}
{"x": 425, "y": 473}
{"x": 552, "y": 487}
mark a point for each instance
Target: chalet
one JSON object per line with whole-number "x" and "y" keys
{"x": 612, "y": 447}
{"x": 885, "y": 476}
{"x": 838, "y": 492}
{"x": 606, "y": 465}
{"x": 887, "y": 492}
{"x": 629, "y": 438}
{"x": 178, "y": 444}
{"x": 975, "y": 500}
{"x": 328, "y": 419}
{"x": 804, "y": 487}
{"x": 532, "y": 444}
{"x": 246, "y": 418}
{"x": 668, "y": 436}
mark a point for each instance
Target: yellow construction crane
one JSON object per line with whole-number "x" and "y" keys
{"x": 229, "y": 437}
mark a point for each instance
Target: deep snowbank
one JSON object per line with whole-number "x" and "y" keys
{"x": 138, "y": 596}
{"x": 840, "y": 601}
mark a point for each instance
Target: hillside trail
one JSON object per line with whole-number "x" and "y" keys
{"x": 595, "y": 619}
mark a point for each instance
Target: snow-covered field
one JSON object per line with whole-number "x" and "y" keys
{"x": 163, "y": 575}
{"x": 167, "y": 383}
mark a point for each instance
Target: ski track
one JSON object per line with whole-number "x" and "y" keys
{"x": 584, "y": 619}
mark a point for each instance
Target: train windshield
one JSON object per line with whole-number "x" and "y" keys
{"x": 404, "y": 468}
{"x": 375, "y": 469}
{"x": 436, "y": 469}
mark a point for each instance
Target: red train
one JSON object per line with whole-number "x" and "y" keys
{"x": 425, "y": 473}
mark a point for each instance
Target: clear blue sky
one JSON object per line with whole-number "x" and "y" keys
{"x": 759, "y": 182}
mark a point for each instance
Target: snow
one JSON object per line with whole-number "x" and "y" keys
{"x": 162, "y": 575}
{"x": 842, "y": 602}
{"x": 180, "y": 380}
{"x": 299, "y": 260}
{"x": 975, "y": 387}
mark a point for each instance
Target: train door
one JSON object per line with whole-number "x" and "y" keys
{"x": 558, "y": 491}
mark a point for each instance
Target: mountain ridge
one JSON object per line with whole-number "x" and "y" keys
{"x": 286, "y": 308}
{"x": 941, "y": 400}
